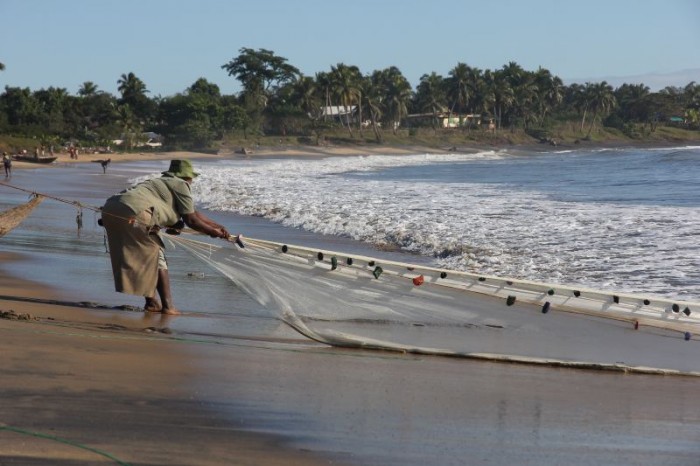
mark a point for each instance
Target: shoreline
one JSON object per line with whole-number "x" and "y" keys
{"x": 298, "y": 151}
{"x": 117, "y": 382}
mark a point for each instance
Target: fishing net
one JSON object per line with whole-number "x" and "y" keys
{"x": 363, "y": 302}
{"x": 11, "y": 218}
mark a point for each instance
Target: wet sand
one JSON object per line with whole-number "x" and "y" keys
{"x": 109, "y": 386}
{"x": 80, "y": 387}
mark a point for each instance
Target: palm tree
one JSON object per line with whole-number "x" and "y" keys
{"x": 130, "y": 125}
{"x": 579, "y": 99}
{"x": 87, "y": 89}
{"x": 345, "y": 82}
{"x": 632, "y": 101}
{"x": 305, "y": 94}
{"x": 324, "y": 85}
{"x": 388, "y": 95}
{"x": 373, "y": 98}
{"x": 498, "y": 94}
{"x": 522, "y": 86}
{"x": 458, "y": 91}
{"x": 131, "y": 87}
{"x": 54, "y": 103}
{"x": 513, "y": 73}
{"x": 602, "y": 100}
{"x": 133, "y": 92}
{"x": 431, "y": 96}
{"x": 548, "y": 92}
{"x": 398, "y": 95}
{"x": 476, "y": 87}
{"x": 95, "y": 109}
{"x": 691, "y": 94}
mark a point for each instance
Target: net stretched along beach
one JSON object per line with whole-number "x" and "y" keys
{"x": 362, "y": 302}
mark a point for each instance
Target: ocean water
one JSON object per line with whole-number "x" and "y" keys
{"x": 614, "y": 219}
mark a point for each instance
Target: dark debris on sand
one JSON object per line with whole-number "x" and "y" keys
{"x": 12, "y": 315}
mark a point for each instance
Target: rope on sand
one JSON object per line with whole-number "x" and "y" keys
{"x": 64, "y": 441}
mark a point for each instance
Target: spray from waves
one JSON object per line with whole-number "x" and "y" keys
{"x": 468, "y": 226}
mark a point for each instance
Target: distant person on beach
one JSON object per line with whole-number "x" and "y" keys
{"x": 133, "y": 219}
{"x": 7, "y": 163}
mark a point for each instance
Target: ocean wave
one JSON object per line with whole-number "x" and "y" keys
{"x": 492, "y": 229}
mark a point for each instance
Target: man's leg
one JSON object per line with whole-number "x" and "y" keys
{"x": 166, "y": 297}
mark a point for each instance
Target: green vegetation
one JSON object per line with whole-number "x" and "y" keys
{"x": 278, "y": 105}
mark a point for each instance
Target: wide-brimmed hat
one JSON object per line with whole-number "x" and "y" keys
{"x": 181, "y": 169}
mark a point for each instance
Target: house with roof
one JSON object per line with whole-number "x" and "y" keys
{"x": 450, "y": 120}
{"x": 339, "y": 113}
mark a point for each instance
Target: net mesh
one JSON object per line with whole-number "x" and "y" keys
{"x": 364, "y": 302}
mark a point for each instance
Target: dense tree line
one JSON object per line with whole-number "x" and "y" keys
{"x": 276, "y": 98}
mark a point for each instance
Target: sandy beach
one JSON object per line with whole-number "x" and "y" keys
{"x": 87, "y": 382}
{"x": 255, "y": 152}
{"x": 82, "y": 387}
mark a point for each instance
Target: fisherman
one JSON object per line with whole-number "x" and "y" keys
{"x": 7, "y": 163}
{"x": 133, "y": 219}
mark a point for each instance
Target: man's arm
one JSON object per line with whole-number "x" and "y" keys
{"x": 209, "y": 221}
{"x": 203, "y": 224}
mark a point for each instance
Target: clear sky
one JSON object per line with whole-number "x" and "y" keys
{"x": 169, "y": 44}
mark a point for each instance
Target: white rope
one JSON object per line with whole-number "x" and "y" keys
{"x": 573, "y": 299}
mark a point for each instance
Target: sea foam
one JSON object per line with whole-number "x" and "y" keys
{"x": 486, "y": 228}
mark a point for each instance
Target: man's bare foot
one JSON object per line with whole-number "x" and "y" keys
{"x": 171, "y": 311}
{"x": 152, "y": 305}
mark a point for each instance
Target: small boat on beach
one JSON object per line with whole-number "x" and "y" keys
{"x": 35, "y": 159}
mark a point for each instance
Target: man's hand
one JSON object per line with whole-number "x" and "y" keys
{"x": 220, "y": 233}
